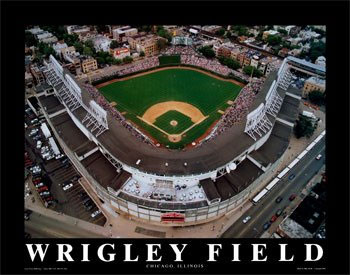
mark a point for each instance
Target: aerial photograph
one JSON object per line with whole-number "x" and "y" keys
{"x": 175, "y": 131}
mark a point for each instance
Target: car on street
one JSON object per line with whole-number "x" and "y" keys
{"x": 96, "y": 213}
{"x": 27, "y": 214}
{"x": 319, "y": 157}
{"x": 279, "y": 212}
{"x": 278, "y": 199}
{"x": 292, "y": 176}
{"x": 44, "y": 193}
{"x": 65, "y": 188}
{"x": 88, "y": 207}
{"x": 266, "y": 225}
{"x": 273, "y": 218}
{"x": 292, "y": 197}
{"x": 246, "y": 219}
{"x": 43, "y": 188}
{"x": 40, "y": 184}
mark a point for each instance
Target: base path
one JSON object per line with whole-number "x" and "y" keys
{"x": 167, "y": 68}
{"x": 159, "y": 109}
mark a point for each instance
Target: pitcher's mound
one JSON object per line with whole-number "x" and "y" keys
{"x": 173, "y": 123}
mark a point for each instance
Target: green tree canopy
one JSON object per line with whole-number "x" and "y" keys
{"x": 30, "y": 39}
{"x": 161, "y": 43}
{"x": 114, "y": 44}
{"x": 78, "y": 47}
{"x": 165, "y": 34}
{"x": 282, "y": 31}
{"x": 229, "y": 62}
{"x": 70, "y": 39}
{"x": 127, "y": 59}
{"x": 317, "y": 49}
{"x": 317, "y": 97}
{"x": 274, "y": 39}
{"x": 88, "y": 51}
{"x": 142, "y": 53}
{"x": 207, "y": 51}
{"x": 304, "y": 127}
{"x": 220, "y": 32}
{"x": 249, "y": 69}
{"x": 240, "y": 30}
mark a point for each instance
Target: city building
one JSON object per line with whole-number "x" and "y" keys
{"x": 321, "y": 60}
{"x": 37, "y": 74}
{"x": 120, "y": 53}
{"x": 122, "y": 33}
{"x": 314, "y": 84}
{"x": 85, "y": 36}
{"x": 28, "y": 80}
{"x": 46, "y": 37}
{"x": 101, "y": 43}
{"x": 283, "y": 52}
{"x": 144, "y": 43}
{"x": 88, "y": 64}
{"x": 211, "y": 28}
{"x": 59, "y": 46}
{"x": 266, "y": 34}
{"x": 294, "y": 52}
{"x": 77, "y": 29}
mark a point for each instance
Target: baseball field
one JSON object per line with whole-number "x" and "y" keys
{"x": 175, "y": 106}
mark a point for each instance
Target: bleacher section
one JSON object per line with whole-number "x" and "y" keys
{"x": 210, "y": 190}
{"x": 100, "y": 169}
{"x": 289, "y": 109}
{"x": 51, "y": 104}
{"x": 275, "y": 145}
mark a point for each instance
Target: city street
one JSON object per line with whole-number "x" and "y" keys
{"x": 267, "y": 207}
{"x": 43, "y": 226}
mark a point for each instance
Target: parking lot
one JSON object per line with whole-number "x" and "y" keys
{"x": 55, "y": 179}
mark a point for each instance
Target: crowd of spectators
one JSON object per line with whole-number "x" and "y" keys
{"x": 239, "y": 109}
{"x": 100, "y": 100}
{"x": 208, "y": 64}
{"x": 140, "y": 66}
{"x": 180, "y": 50}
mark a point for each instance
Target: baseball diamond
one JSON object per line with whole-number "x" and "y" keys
{"x": 189, "y": 97}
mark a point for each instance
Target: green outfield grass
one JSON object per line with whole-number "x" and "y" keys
{"x": 136, "y": 95}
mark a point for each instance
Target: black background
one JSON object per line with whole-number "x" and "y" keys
{"x": 15, "y": 15}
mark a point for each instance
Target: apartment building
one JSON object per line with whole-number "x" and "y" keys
{"x": 145, "y": 43}
{"x": 314, "y": 84}
{"x": 121, "y": 34}
{"x": 120, "y": 53}
{"x": 88, "y": 64}
{"x": 38, "y": 76}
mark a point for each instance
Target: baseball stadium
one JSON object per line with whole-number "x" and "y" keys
{"x": 173, "y": 140}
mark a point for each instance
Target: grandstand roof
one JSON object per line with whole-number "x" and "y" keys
{"x": 306, "y": 63}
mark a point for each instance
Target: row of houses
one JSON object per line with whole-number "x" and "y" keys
{"x": 247, "y": 57}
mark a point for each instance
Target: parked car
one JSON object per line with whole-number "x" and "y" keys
{"x": 88, "y": 207}
{"x": 266, "y": 225}
{"x": 292, "y": 176}
{"x": 292, "y": 197}
{"x": 246, "y": 219}
{"x": 96, "y": 213}
{"x": 66, "y": 183}
{"x": 65, "y": 188}
{"x": 278, "y": 199}
{"x": 279, "y": 212}
{"x": 42, "y": 189}
{"x": 319, "y": 157}
{"x": 273, "y": 218}
{"x": 27, "y": 214}
{"x": 44, "y": 193}
{"x": 87, "y": 201}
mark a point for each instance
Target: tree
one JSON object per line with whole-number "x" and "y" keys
{"x": 116, "y": 61}
{"x": 78, "y": 47}
{"x": 220, "y": 32}
{"x": 282, "y": 31}
{"x": 100, "y": 60}
{"x": 229, "y": 62}
{"x": 88, "y": 51}
{"x": 114, "y": 44}
{"x": 142, "y": 53}
{"x": 89, "y": 44}
{"x": 207, "y": 51}
{"x": 30, "y": 39}
{"x": 274, "y": 39}
{"x": 304, "y": 127}
{"x": 161, "y": 43}
{"x": 70, "y": 39}
{"x": 316, "y": 97}
{"x": 228, "y": 34}
{"x": 317, "y": 49}
{"x": 165, "y": 34}
{"x": 240, "y": 30}
{"x": 101, "y": 28}
{"x": 249, "y": 69}
{"x": 127, "y": 59}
